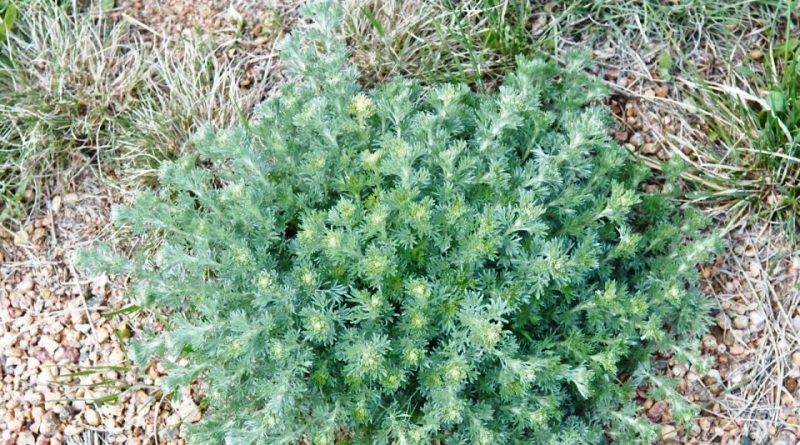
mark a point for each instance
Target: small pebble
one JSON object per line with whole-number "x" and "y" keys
{"x": 668, "y": 432}
{"x": 736, "y": 349}
{"x": 740, "y": 322}
{"x": 796, "y": 360}
{"x": 657, "y": 410}
{"x": 20, "y": 238}
{"x": 754, "y": 269}
{"x": 70, "y": 198}
{"x": 73, "y": 430}
{"x": 785, "y": 437}
{"x": 189, "y": 411}
{"x": 91, "y": 417}
{"x": 25, "y": 438}
{"x": 649, "y": 149}
{"x": 55, "y": 204}
{"x": 25, "y": 285}
{"x": 758, "y": 320}
{"x": 48, "y": 344}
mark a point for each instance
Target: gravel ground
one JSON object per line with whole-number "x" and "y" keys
{"x": 749, "y": 396}
{"x": 249, "y": 27}
{"x": 173, "y": 17}
{"x": 752, "y": 388}
{"x": 63, "y": 358}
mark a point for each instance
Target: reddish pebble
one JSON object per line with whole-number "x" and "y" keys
{"x": 657, "y": 410}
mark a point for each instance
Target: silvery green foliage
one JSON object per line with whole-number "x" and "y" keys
{"x": 410, "y": 263}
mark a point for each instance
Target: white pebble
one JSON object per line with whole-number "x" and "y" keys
{"x": 25, "y": 285}
{"x": 48, "y": 344}
{"x": 796, "y": 323}
{"x": 25, "y": 438}
{"x": 70, "y": 198}
{"x": 758, "y": 320}
{"x": 91, "y": 417}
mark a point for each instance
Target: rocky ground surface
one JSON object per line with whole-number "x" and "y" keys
{"x": 64, "y": 371}
{"x": 749, "y": 395}
{"x": 247, "y": 18}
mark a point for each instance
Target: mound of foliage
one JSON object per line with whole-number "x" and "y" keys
{"x": 412, "y": 264}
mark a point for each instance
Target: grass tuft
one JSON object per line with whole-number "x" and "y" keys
{"x": 189, "y": 82}
{"x": 78, "y": 89}
{"x": 474, "y": 41}
{"x": 64, "y": 81}
{"x": 750, "y": 165}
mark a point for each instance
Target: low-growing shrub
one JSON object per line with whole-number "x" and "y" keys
{"x": 406, "y": 265}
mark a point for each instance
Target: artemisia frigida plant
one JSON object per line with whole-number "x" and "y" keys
{"x": 415, "y": 264}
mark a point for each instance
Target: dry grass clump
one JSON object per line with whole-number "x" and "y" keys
{"x": 189, "y": 82}
{"x": 752, "y": 154}
{"x": 730, "y": 114}
{"x": 77, "y": 88}
{"x": 474, "y": 41}
{"x": 64, "y": 81}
